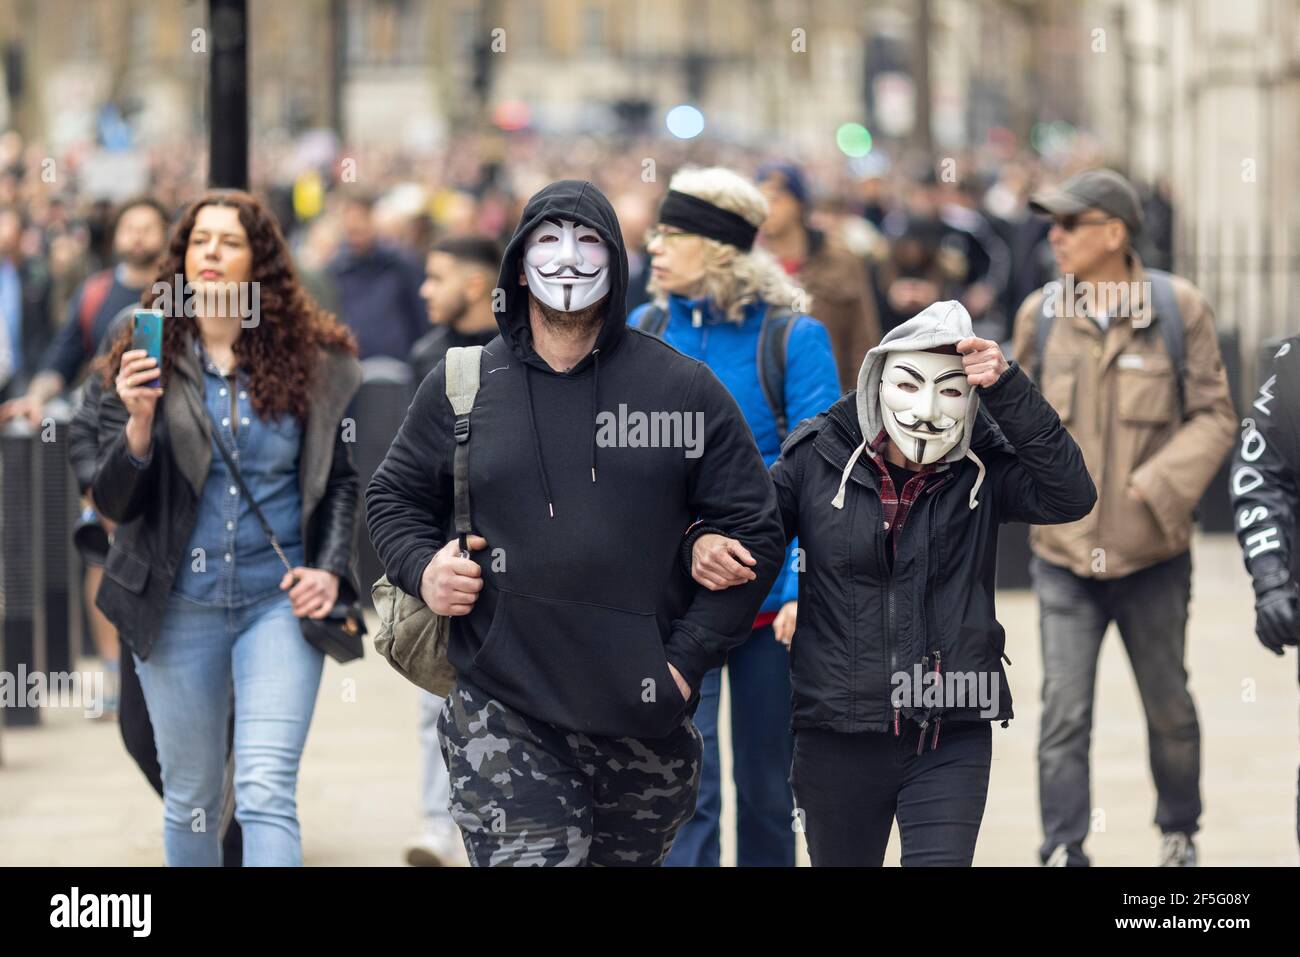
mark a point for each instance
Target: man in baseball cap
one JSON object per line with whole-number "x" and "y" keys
{"x": 1098, "y": 190}
{"x": 1143, "y": 392}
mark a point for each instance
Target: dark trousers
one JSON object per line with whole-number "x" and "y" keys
{"x": 850, "y": 787}
{"x": 761, "y": 750}
{"x": 1150, "y": 608}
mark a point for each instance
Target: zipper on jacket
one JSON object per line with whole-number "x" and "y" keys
{"x": 938, "y": 675}
{"x": 890, "y": 648}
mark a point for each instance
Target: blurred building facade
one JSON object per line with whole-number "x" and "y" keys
{"x": 1200, "y": 96}
{"x": 1204, "y": 96}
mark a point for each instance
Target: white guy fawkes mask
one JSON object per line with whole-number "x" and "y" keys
{"x": 566, "y": 264}
{"x": 923, "y": 400}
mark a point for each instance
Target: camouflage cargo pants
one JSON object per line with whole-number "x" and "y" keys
{"x": 529, "y": 794}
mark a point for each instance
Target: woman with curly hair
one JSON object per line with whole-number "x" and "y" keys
{"x": 191, "y": 580}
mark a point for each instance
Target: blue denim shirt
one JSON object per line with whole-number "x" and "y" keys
{"x": 236, "y": 565}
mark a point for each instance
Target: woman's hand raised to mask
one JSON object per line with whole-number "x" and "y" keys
{"x": 982, "y": 360}
{"x": 140, "y": 400}
{"x": 450, "y": 584}
{"x": 718, "y": 562}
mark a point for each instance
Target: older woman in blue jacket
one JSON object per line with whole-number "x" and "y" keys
{"x": 718, "y": 299}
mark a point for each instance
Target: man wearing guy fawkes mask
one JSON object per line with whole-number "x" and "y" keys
{"x": 578, "y": 641}
{"x": 896, "y": 493}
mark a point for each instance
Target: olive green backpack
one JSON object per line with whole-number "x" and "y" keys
{"x": 411, "y": 637}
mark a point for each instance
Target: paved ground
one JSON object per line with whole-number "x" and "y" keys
{"x": 70, "y": 795}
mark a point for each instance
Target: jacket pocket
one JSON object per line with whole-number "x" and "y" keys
{"x": 1146, "y": 394}
{"x": 1060, "y": 379}
{"x": 127, "y": 570}
{"x": 581, "y": 666}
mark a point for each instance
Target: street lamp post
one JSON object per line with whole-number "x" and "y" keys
{"x": 228, "y": 94}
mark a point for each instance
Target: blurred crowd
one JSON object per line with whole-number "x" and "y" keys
{"x": 872, "y": 239}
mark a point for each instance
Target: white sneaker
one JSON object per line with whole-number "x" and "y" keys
{"x": 1059, "y": 857}
{"x": 1177, "y": 850}
{"x": 437, "y": 849}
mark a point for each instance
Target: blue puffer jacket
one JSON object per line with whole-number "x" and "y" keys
{"x": 701, "y": 331}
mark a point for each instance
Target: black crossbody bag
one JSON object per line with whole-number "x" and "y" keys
{"x": 339, "y": 634}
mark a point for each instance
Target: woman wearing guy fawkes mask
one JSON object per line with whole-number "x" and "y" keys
{"x": 896, "y": 493}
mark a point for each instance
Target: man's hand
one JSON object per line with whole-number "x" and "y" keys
{"x": 682, "y": 686}
{"x": 25, "y": 406}
{"x": 783, "y": 624}
{"x": 718, "y": 562}
{"x": 312, "y": 591}
{"x": 982, "y": 360}
{"x": 450, "y": 584}
{"x": 1277, "y": 617}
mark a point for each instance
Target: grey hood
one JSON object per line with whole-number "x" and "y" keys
{"x": 940, "y": 324}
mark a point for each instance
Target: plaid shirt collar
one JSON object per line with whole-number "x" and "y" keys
{"x": 895, "y": 503}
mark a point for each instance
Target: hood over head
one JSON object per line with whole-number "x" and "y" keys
{"x": 940, "y": 324}
{"x": 583, "y": 203}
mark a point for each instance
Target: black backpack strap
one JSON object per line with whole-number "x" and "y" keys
{"x": 1042, "y": 331}
{"x": 773, "y": 347}
{"x": 1170, "y": 321}
{"x": 653, "y": 320}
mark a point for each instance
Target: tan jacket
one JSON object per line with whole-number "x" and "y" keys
{"x": 836, "y": 279}
{"x": 1116, "y": 392}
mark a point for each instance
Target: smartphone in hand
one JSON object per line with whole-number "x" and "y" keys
{"x": 146, "y": 334}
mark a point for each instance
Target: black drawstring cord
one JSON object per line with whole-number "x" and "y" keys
{"x": 595, "y": 388}
{"x": 537, "y": 444}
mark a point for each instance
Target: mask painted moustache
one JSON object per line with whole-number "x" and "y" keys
{"x": 923, "y": 397}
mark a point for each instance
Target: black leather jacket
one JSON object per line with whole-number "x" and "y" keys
{"x": 155, "y": 506}
{"x": 1265, "y": 483}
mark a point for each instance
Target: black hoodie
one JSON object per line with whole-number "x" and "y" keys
{"x": 584, "y": 601}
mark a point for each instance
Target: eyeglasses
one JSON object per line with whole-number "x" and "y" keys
{"x": 1072, "y": 221}
{"x": 659, "y": 232}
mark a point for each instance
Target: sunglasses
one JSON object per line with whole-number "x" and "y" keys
{"x": 1072, "y": 221}
{"x": 659, "y": 232}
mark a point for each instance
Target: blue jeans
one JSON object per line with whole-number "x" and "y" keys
{"x": 762, "y": 748}
{"x": 207, "y": 658}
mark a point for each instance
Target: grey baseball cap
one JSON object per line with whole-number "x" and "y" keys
{"x": 1102, "y": 189}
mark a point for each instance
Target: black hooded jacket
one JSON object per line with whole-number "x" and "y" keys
{"x": 584, "y": 601}
{"x": 862, "y": 621}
